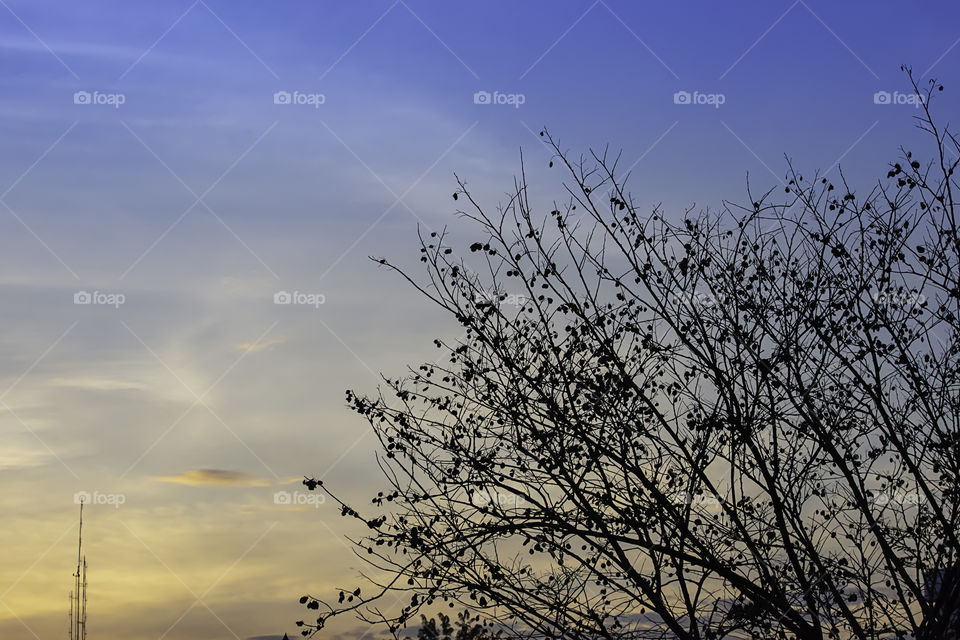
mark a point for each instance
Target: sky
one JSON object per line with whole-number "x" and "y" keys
{"x": 190, "y": 192}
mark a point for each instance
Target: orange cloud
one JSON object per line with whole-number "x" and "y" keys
{"x": 215, "y": 478}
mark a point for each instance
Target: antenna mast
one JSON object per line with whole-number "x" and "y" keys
{"x": 78, "y": 597}
{"x": 83, "y": 603}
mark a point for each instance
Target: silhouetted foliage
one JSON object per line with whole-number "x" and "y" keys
{"x": 444, "y": 630}
{"x": 734, "y": 424}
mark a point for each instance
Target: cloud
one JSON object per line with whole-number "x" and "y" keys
{"x": 215, "y": 478}
{"x": 22, "y": 458}
{"x": 254, "y": 347}
{"x": 26, "y": 44}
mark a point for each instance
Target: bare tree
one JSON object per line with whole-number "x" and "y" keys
{"x": 716, "y": 425}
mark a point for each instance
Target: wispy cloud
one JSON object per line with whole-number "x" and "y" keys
{"x": 16, "y": 458}
{"x": 215, "y": 478}
{"x": 263, "y": 345}
{"x": 100, "y": 50}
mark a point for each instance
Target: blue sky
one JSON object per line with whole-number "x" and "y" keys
{"x": 197, "y": 198}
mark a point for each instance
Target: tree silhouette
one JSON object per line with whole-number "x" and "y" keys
{"x": 466, "y": 629}
{"x": 721, "y": 425}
